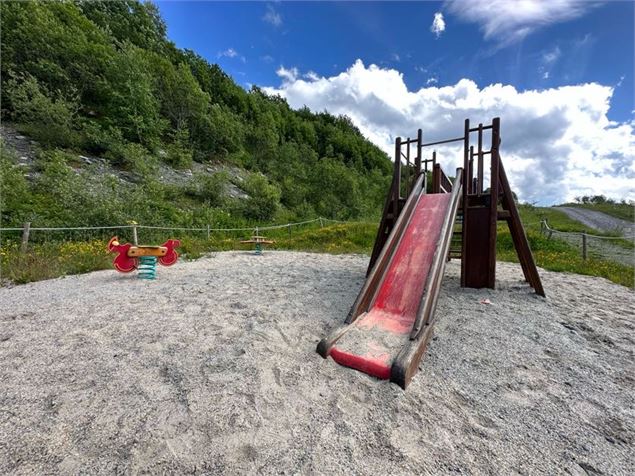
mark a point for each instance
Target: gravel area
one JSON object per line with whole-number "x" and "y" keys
{"x": 212, "y": 369}
{"x": 600, "y": 221}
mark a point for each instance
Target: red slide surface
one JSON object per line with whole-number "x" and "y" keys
{"x": 377, "y": 336}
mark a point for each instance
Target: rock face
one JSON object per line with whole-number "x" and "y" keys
{"x": 21, "y": 146}
{"x": 26, "y": 152}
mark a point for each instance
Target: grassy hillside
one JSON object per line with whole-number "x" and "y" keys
{"x": 624, "y": 210}
{"x": 101, "y": 80}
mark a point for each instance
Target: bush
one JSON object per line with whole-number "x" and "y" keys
{"x": 179, "y": 152}
{"x": 210, "y": 189}
{"x": 15, "y": 196}
{"x": 133, "y": 157}
{"x": 45, "y": 116}
{"x": 264, "y": 198}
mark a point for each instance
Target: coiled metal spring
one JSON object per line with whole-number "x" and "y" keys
{"x": 147, "y": 267}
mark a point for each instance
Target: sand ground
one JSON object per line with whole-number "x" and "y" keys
{"x": 212, "y": 369}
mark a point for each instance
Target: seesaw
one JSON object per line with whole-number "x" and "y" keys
{"x": 143, "y": 257}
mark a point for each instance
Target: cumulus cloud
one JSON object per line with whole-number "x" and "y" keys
{"x": 312, "y": 76}
{"x": 272, "y": 16}
{"x": 288, "y": 75}
{"x": 558, "y": 143}
{"x": 438, "y": 24}
{"x": 508, "y": 21}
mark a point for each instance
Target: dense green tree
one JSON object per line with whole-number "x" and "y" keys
{"x": 102, "y": 77}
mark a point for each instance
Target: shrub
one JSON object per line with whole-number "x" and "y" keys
{"x": 264, "y": 198}
{"x": 47, "y": 117}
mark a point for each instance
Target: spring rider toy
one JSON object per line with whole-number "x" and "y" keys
{"x": 143, "y": 258}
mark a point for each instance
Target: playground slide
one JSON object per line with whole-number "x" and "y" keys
{"x": 388, "y": 340}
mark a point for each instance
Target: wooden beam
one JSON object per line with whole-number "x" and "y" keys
{"x": 493, "y": 212}
{"x": 518, "y": 235}
{"x": 466, "y": 151}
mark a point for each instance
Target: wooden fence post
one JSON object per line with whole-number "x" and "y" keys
{"x": 207, "y": 232}
{"x": 25, "y": 237}
{"x": 289, "y": 229}
{"x": 135, "y": 237}
{"x": 321, "y": 223}
{"x": 584, "y": 246}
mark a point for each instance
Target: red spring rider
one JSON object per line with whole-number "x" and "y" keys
{"x": 129, "y": 256}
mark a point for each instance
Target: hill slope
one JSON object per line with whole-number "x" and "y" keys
{"x": 101, "y": 79}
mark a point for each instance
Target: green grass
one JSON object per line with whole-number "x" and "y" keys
{"x": 532, "y": 216}
{"x": 49, "y": 260}
{"x": 556, "y": 255}
{"x": 623, "y": 211}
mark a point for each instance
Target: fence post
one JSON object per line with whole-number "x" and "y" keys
{"x": 135, "y": 237}
{"x": 321, "y": 223}
{"x": 542, "y": 227}
{"x": 289, "y": 228}
{"x": 584, "y": 247}
{"x": 25, "y": 236}
{"x": 207, "y": 232}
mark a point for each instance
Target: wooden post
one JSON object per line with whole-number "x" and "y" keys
{"x": 25, "y": 237}
{"x": 419, "y": 148}
{"x": 289, "y": 229}
{"x": 470, "y": 172}
{"x": 464, "y": 205}
{"x": 584, "y": 246}
{"x": 397, "y": 179}
{"x": 135, "y": 237}
{"x": 479, "y": 170}
{"x": 407, "y": 192}
{"x": 321, "y": 223}
{"x": 494, "y": 181}
{"x": 207, "y": 232}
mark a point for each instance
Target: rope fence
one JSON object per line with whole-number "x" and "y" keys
{"x": 131, "y": 230}
{"x": 612, "y": 248}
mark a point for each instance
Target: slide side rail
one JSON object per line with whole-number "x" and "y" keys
{"x": 433, "y": 283}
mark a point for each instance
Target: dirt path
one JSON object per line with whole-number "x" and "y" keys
{"x": 212, "y": 369}
{"x": 599, "y": 221}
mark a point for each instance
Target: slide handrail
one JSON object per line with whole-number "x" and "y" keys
{"x": 376, "y": 275}
{"x": 433, "y": 283}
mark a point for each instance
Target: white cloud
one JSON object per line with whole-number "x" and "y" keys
{"x": 551, "y": 56}
{"x": 508, "y": 21}
{"x": 558, "y": 143}
{"x": 438, "y": 24}
{"x": 396, "y": 57}
{"x": 231, "y": 53}
{"x": 312, "y": 76}
{"x": 432, "y": 80}
{"x": 272, "y": 16}
{"x": 288, "y": 75}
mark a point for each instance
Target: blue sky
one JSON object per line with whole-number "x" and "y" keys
{"x": 327, "y": 37}
{"x": 559, "y": 73}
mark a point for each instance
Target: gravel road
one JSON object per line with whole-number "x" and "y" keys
{"x": 212, "y": 369}
{"x": 600, "y": 221}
